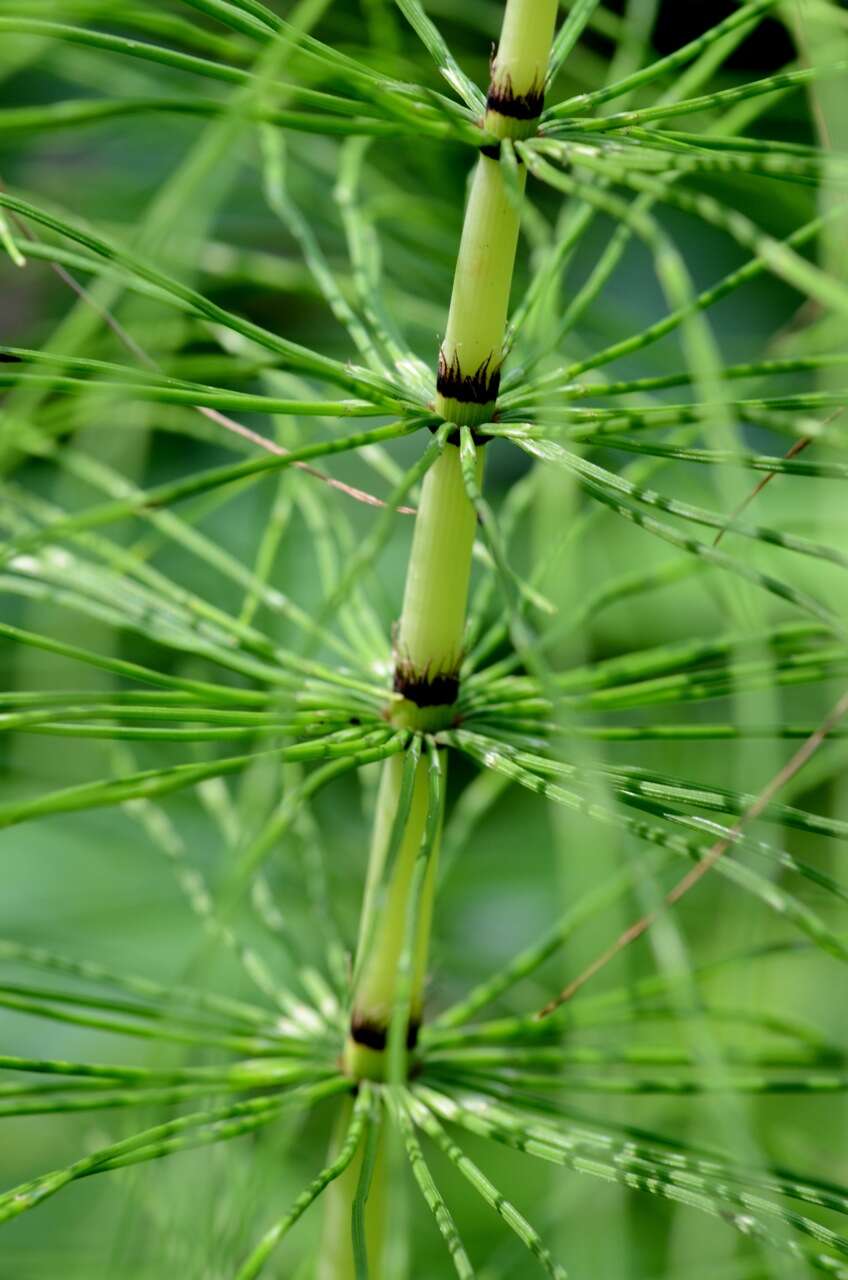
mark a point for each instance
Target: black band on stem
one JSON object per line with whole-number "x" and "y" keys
{"x": 374, "y": 1035}
{"x": 480, "y": 387}
{"x": 515, "y": 106}
{"x": 426, "y": 690}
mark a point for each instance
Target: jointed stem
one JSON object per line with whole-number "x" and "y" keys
{"x": 430, "y": 636}
{"x": 385, "y": 915}
{"x": 470, "y": 358}
{"x": 395, "y": 928}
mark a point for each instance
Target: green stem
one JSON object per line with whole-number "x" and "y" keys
{"x": 430, "y": 635}
{"x": 429, "y": 641}
{"x": 394, "y": 936}
{"x": 336, "y": 1259}
{"x": 471, "y": 354}
{"x": 395, "y": 933}
{"x": 516, "y": 91}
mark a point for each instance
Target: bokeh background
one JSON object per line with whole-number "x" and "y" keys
{"x": 97, "y": 885}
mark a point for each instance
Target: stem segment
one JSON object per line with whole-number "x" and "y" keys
{"x": 336, "y": 1260}
{"x": 470, "y": 359}
{"x": 386, "y": 912}
{"x": 429, "y": 641}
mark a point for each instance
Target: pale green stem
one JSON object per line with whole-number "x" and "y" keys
{"x": 336, "y": 1258}
{"x": 384, "y": 916}
{"x": 520, "y": 68}
{"x": 472, "y": 351}
{"x": 430, "y": 635}
{"x": 429, "y": 641}
{"x": 431, "y": 631}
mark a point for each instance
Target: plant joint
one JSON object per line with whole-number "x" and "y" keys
{"x": 424, "y": 689}
{"x": 375, "y": 1035}
{"x": 479, "y": 388}
{"x": 427, "y": 702}
{"x": 467, "y": 399}
{"x": 504, "y": 101}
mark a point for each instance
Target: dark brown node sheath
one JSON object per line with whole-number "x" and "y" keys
{"x": 480, "y": 387}
{"x": 516, "y": 106}
{"x": 426, "y": 690}
{"x": 375, "y": 1036}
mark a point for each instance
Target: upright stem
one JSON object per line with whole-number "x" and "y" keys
{"x": 384, "y": 919}
{"x": 336, "y": 1261}
{"x": 430, "y": 634}
{"x": 471, "y": 354}
{"x": 429, "y": 639}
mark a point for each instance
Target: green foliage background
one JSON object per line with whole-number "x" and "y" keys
{"x": 188, "y": 192}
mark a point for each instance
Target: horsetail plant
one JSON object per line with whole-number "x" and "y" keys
{"x": 207, "y": 639}
{"x": 430, "y": 634}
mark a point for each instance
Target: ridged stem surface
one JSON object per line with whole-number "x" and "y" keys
{"x": 430, "y": 634}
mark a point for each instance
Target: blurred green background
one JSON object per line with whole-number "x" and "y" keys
{"x": 95, "y": 885}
